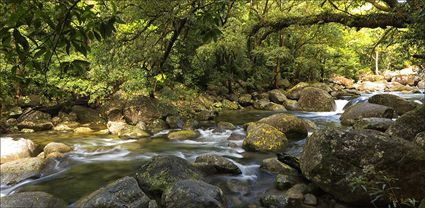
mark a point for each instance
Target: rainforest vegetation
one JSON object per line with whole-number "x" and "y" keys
{"x": 92, "y": 48}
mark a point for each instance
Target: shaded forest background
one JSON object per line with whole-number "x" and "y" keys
{"x": 91, "y": 49}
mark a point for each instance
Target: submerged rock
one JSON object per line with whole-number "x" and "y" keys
{"x": 183, "y": 135}
{"x": 121, "y": 193}
{"x": 409, "y": 124}
{"x": 334, "y": 159}
{"x": 18, "y": 170}
{"x": 32, "y": 199}
{"x": 218, "y": 164}
{"x": 292, "y": 126}
{"x": 274, "y": 201}
{"x": 399, "y": 104}
{"x": 161, "y": 172}
{"x": 14, "y": 149}
{"x": 264, "y": 138}
{"x": 365, "y": 110}
{"x": 193, "y": 194}
{"x": 316, "y": 100}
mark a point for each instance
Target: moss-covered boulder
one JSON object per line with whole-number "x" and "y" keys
{"x": 264, "y": 138}
{"x": 161, "y": 172}
{"x": 409, "y": 124}
{"x": 295, "y": 92}
{"x": 365, "y": 110}
{"x": 32, "y": 199}
{"x": 217, "y": 164}
{"x": 245, "y": 100}
{"x": 183, "y": 135}
{"x": 193, "y": 194}
{"x": 121, "y": 193}
{"x": 316, "y": 100}
{"x": 399, "y": 104}
{"x": 336, "y": 160}
{"x": 277, "y": 96}
{"x": 292, "y": 126}
{"x": 223, "y": 125}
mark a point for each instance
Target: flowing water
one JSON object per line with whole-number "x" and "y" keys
{"x": 97, "y": 160}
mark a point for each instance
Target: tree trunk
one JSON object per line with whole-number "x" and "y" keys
{"x": 377, "y": 62}
{"x": 277, "y": 73}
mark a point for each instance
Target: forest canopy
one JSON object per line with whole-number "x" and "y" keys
{"x": 67, "y": 49}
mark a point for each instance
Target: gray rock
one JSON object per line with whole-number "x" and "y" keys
{"x": 334, "y": 158}
{"x": 316, "y": 100}
{"x": 365, "y": 110}
{"x": 32, "y": 199}
{"x": 14, "y": 149}
{"x": 218, "y": 164}
{"x": 277, "y": 96}
{"x": 18, "y": 170}
{"x": 409, "y": 124}
{"x": 420, "y": 140}
{"x": 284, "y": 182}
{"x": 274, "y": 201}
{"x": 122, "y": 193}
{"x": 310, "y": 199}
{"x": 161, "y": 172}
{"x": 87, "y": 115}
{"x": 222, "y": 125}
{"x": 399, "y": 104}
{"x": 380, "y": 124}
{"x": 273, "y": 165}
{"x": 193, "y": 194}
{"x": 174, "y": 122}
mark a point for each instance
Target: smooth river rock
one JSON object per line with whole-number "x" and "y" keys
{"x": 334, "y": 159}
{"x": 14, "y": 149}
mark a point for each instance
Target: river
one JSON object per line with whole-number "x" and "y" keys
{"x": 97, "y": 160}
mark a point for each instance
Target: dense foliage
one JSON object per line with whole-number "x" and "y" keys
{"x": 93, "y": 48}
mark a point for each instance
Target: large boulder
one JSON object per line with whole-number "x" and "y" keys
{"x": 409, "y": 124}
{"x": 121, "y": 193}
{"x": 145, "y": 109}
{"x": 218, "y": 164}
{"x": 365, "y": 110}
{"x": 316, "y": 100}
{"x": 400, "y": 105}
{"x": 125, "y": 131}
{"x": 32, "y": 199}
{"x": 380, "y": 124}
{"x": 35, "y": 120}
{"x": 14, "y": 149}
{"x": 161, "y": 172}
{"x": 295, "y": 92}
{"x": 273, "y": 165}
{"x": 336, "y": 160}
{"x": 18, "y": 170}
{"x": 193, "y": 194}
{"x": 87, "y": 115}
{"x": 292, "y": 126}
{"x": 341, "y": 80}
{"x": 277, "y": 96}
{"x": 264, "y": 138}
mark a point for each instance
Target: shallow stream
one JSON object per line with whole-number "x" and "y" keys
{"x": 97, "y": 160}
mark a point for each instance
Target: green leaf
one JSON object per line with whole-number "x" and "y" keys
{"x": 21, "y": 40}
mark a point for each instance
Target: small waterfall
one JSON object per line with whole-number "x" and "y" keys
{"x": 340, "y": 104}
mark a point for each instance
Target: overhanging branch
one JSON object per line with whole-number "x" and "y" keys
{"x": 375, "y": 20}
